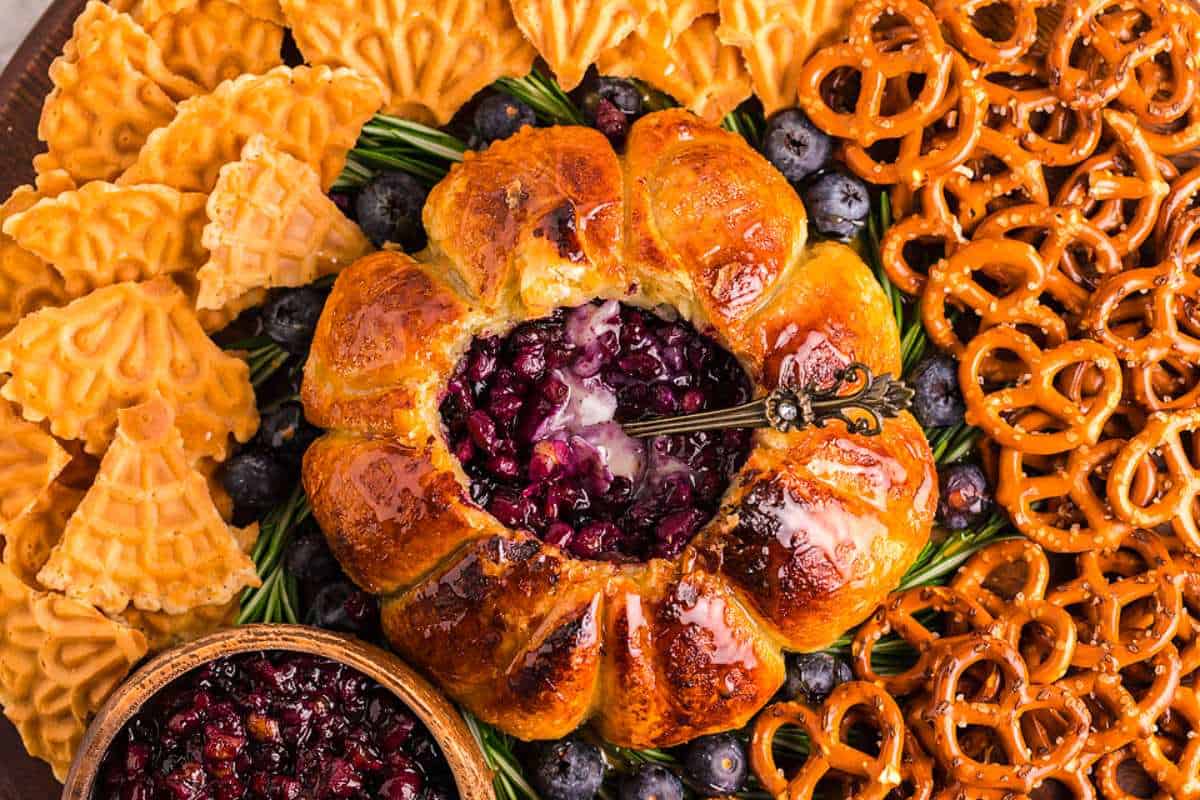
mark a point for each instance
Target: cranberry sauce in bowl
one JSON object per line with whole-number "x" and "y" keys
{"x": 274, "y": 724}
{"x": 535, "y": 419}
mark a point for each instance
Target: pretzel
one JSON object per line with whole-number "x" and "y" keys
{"x": 1107, "y": 639}
{"x": 877, "y": 774}
{"x": 1083, "y": 24}
{"x": 1179, "y": 219}
{"x": 1081, "y": 421}
{"x": 960, "y": 18}
{"x": 948, "y": 710}
{"x": 1165, "y": 385}
{"x": 1048, "y": 129}
{"x": 1175, "y": 501}
{"x": 1013, "y": 265}
{"x": 931, "y": 228}
{"x": 899, "y": 615}
{"x": 1175, "y": 764}
{"x": 1059, "y": 233}
{"x": 1162, "y": 294}
{"x": 1125, "y": 206}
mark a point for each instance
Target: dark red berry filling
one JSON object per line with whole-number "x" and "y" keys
{"x": 273, "y": 725}
{"x": 535, "y": 416}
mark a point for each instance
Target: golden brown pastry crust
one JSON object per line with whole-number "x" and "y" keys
{"x": 817, "y": 527}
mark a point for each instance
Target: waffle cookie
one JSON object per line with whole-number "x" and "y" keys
{"x": 571, "y": 34}
{"x": 103, "y": 234}
{"x": 271, "y": 225}
{"x": 30, "y": 460}
{"x": 29, "y": 540}
{"x": 430, "y": 56}
{"x": 77, "y": 366}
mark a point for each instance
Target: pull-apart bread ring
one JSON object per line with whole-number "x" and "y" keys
{"x": 815, "y": 528}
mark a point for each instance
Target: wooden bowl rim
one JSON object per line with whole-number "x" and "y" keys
{"x": 471, "y": 773}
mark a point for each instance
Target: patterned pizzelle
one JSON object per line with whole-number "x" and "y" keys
{"x": 29, "y": 540}
{"x": 211, "y": 41}
{"x": 59, "y": 660}
{"x": 147, "y": 533}
{"x": 164, "y": 631}
{"x": 776, "y": 38}
{"x": 28, "y": 283}
{"x": 103, "y": 234}
{"x": 571, "y": 34}
{"x": 430, "y": 56}
{"x": 313, "y": 113}
{"x": 271, "y": 225}
{"x": 691, "y": 65}
{"x": 121, "y": 345}
{"x": 30, "y": 460}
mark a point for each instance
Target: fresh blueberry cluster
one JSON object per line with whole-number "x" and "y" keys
{"x": 535, "y": 416}
{"x": 274, "y": 725}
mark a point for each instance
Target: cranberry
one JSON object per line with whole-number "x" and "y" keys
{"x": 404, "y": 784}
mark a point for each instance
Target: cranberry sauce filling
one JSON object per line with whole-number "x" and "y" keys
{"x": 535, "y": 416}
{"x": 274, "y": 725}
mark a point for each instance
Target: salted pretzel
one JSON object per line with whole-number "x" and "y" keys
{"x": 1118, "y": 53}
{"x": 1077, "y": 422}
{"x": 1174, "y": 761}
{"x": 950, "y": 709}
{"x": 1127, "y": 602}
{"x": 902, "y": 615}
{"x": 876, "y": 775}
{"x": 1015, "y": 267}
{"x": 963, "y": 20}
{"x": 1160, "y": 295}
{"x": 1032, "y": 114}
{"x": 1178, "y": 228}
{"x": 1165, "y": 385}
{"x": 1076, "y": 253}
{"x": 930, "y": 229}
{"x": 1121, "y": 189}
{"x": 1175, "y": 501}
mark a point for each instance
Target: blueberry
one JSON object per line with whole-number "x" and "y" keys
{"x": 838, "y": 205}
{"x": 624, "y": 95}
{"x": 290, "y": 317}
{"x": 650, "y": 782}
{"x": 964, "y": 495}
{"x": 499, "y": 116}
{"x": 569, "y": 769}
{"x": 812, "y": 676}
{"x": 795, "y": 146}
{"x": 715, "y": 765}
{"x": 389, "y": 210}
{"x": 256, "y": 479}
{"x": 285, "y": 430}
{"x": 309, "y": 559}
{"x": 937, "y": 400}
{"x": 342, "y": 606}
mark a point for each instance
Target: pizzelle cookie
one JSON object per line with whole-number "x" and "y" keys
{"x": 59, "y": 661}
{"x": 103, "y": 234}
{"x": 77, "y": 366}
{"x": 147, "y": 533}
{"x": 691, "y": 65}
{"x": 776, "y": 37}
{"x": 571, "y": 34}
{"x": 430, "y": 56}
{"x": 29, "y": 540}
{"x": 271, "y": 225}
{"x": 313, "y": 113}
{"x": 163, "y": 631}
{"x": 30, "y": 460}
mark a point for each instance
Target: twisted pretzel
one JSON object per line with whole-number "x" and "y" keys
{"x": 1024, "y": 767}
{"x": 1174, "y": 762}
{"x": 1079, "y": 421}
{"x": 829, "y": 752}
{"x": 1014, "y": 266}
{"x": 960, "y": 17}
{"x": 930, "y": 229}
{"x": 1146, "y": 578}
{"x": 1175, "y": 500}
{"x": 1179, "y": 220}
{"x": 1162, "y": 294}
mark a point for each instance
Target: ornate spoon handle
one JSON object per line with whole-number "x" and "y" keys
{"x": 862, "y": 410}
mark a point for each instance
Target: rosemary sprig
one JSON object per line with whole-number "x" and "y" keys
{"x": 746, "y": 123}
{"x": 398, "y": 144}
{"x": 275, "y": 600}
{"x": 263, "y": 355}
{"x": 543, "y": 94}
{"x": 507, "y": 776}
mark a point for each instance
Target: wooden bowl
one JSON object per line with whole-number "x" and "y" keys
{"x": 471, "y": 773}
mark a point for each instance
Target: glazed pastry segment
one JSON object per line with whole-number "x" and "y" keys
{"x": 313, "y": 113}
{"x": 103, "y": 234}
{"x": 571, "y": 34}
{"x": 119, "y": 346}
{"x": 431, "y": 56}
{"x": 59, "y": 661}
{"x": 389, "y": 335}
{"x": 30, "y": 460}
{"x": 29, "y": 540}
{"x": 271, "y": 225}
{"x": 510, "y": 628}
{"x": 534, "y": 222}
{"x": 680, "y": 648}
{"x": 147, "y": 533}
{"x": 391, "y": 512}
{"x": 712, "y": 227}
{"x": 776, "y": 37}
{"x": 691, "y": 64}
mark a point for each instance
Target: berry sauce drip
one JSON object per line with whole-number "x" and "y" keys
{"x": 274, "y": 725}
{"x": 535, "y": 418}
